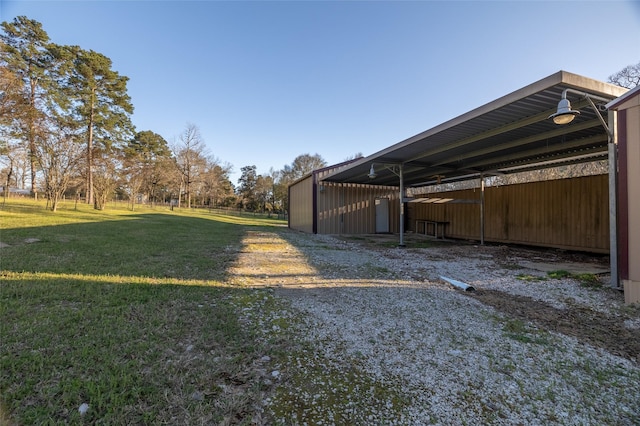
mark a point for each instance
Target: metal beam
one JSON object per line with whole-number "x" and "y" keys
{"x": 543, "y": 151}
{"x": 543, "y": 116}
{"x": 524, "y": 141}
{"x": 583, "y": 158}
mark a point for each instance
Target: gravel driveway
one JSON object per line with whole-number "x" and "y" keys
{"x": 383, "y": 340}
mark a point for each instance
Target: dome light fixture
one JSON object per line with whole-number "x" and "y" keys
{"x": 372, "y": 173}
{"x": 565, "y": 114}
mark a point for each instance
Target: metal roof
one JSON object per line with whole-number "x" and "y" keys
{"x": 510, "y": 134}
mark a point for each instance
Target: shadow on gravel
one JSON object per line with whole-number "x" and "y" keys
{"x": 586, "y": 325}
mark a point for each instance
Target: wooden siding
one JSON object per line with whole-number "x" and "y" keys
{"x": 565, "y": 213}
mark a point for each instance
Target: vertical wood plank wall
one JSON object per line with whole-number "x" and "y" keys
{"x": 565, "y": 213}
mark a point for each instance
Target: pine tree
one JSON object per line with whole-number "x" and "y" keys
{"x": 102, "y": 105}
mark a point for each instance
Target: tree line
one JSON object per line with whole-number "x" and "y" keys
{"x": 66, "y": 131}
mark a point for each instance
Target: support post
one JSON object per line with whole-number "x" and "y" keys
{"x": 342, "y": 208}
{"x": 481, "y": 209}
{"x": 400, "y": 174}
{"x": 613, "y": 200}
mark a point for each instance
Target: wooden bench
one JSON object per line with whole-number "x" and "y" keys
{"x": 434, "y": 225}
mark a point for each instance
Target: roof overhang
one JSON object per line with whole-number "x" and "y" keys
{"x": 508, "y": 135}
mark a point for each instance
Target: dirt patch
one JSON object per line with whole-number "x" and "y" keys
{"x": 587, "y": 325}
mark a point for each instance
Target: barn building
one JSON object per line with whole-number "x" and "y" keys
{"x": 443, "y": 181}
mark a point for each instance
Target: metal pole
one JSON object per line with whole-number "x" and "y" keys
{"x": 400, "y": 174}
{"x": 342, "y": 208}
{"x": 604, "y": 124}
{"x": 481, "y": 209}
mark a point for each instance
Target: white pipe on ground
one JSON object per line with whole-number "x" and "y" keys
{"x": 459, "y": 284}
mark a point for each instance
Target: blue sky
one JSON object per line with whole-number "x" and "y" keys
{"x": 267, "y": 81}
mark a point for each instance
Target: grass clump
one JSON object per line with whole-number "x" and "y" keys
{"x": 590, "y": 281}
{"x": 517, "y": 329}
{"x": 530, "y": 278}
{"x": 586, "y": 280}
{"x": 558, "y": 275}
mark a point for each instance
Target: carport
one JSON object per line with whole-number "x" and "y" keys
{"x": 514, "y": 133}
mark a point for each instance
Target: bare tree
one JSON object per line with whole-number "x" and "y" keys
{"x": 354, "y": 156}
{"x": 301, "y": 165}
{"x": 59, "y": 156}
{"x": 133, "y": 176}
{"x": 163, "y": 179}
{"x": 105, "y": 179}
{"x": 190, "y": 158}
{"x": 9, "y": 152}
{"x": 217, "y": 187}
{"x": 279, "y": 190}
{"x": 628, "y": 77}
{"x": 14, "y": 164}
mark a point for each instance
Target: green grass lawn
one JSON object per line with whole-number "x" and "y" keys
{"x": 128, "y": 312}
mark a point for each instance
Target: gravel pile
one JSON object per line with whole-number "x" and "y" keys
{"x": 419, "y": 351}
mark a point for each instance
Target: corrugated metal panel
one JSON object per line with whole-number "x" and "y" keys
{"x": 301, "y": 205}
{"x": 350, "y": 208}
{"x": 340, "y": 208}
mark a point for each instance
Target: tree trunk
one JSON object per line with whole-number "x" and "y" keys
{"x": 90, "y": 191}
{"x": 54, "y": 201}
{"x": 188, "y": 192}
{"x": 152, "y": 195}
{"x": 6, "y": 186}
{"x": 32, "y": 137}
